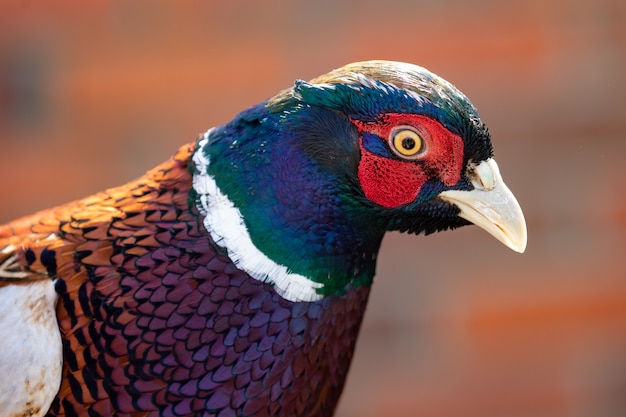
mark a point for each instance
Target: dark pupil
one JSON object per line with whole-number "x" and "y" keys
{"x": 408, "y": 143}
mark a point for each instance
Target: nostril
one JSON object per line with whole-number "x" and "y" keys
{"x": 482, "y": 175}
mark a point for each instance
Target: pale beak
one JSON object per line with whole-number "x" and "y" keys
{"x": 491, "y": 206}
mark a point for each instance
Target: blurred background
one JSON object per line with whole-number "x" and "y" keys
{"x": 92, "y": 94}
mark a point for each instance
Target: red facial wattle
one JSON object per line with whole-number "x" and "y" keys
{"x": 392, "y": 182}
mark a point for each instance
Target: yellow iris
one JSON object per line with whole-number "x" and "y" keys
{"x": 407, "y": 143}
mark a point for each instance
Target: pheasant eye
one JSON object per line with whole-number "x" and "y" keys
{"x": 407, "y": 143}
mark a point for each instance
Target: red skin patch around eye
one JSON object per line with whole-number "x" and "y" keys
{"x": 391, "y": 183}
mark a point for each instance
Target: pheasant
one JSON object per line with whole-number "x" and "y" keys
{"x": 232, "y": 279}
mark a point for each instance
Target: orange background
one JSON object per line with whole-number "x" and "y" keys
{"x": 93, "y": 93}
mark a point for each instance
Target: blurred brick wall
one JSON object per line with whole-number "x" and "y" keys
{"x": 92, "y": 94}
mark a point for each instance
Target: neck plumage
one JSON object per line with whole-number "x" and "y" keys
{"x": 278, "y": 217}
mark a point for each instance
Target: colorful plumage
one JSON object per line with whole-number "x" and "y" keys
{"x": 232, "y": 279}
